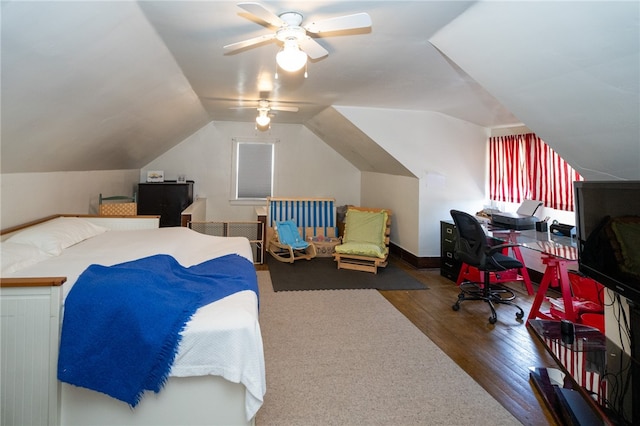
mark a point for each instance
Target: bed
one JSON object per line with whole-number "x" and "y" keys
{"x": 218, "y": 374}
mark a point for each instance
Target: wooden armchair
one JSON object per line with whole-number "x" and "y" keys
{"x": 365, "y": 244}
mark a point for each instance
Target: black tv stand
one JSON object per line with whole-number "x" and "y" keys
{"x": 605, "y": 377}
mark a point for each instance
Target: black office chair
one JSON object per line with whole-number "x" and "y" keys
{"x": 473, "y": 249}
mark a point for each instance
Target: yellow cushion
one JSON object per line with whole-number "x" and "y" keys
{"x": 362, "y": 249}
{"x": 365, "y": 227}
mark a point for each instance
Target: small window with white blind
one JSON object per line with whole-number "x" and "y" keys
{"x": 253, "y": 164}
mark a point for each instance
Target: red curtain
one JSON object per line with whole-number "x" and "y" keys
{"x": 524, "y": 167}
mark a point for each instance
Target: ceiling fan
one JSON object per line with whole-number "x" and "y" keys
{"x": 266, "y": 105}
{"x": 297, "y": 44}
{"x": 264, "y": 108}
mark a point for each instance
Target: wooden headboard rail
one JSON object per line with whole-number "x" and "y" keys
{"x": 54, "y": 281}
{"x": 6, "y": 233}
{"x": 22, "y": 226}
{"x": 32, "y": 282}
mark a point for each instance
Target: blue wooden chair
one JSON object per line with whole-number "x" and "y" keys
{"x": 288, "y": 246}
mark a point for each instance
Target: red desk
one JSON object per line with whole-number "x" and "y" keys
{"x": 558, "y": 254}
{"x": 555, "y": 275}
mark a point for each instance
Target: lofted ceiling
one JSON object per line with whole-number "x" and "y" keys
{"x": 114, "y": 84}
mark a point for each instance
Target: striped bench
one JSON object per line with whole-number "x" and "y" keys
{"x": 313, "y": 216}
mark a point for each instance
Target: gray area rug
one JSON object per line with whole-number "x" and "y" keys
{"x": 351, "y": 358}
{"x": 322, "y": 273}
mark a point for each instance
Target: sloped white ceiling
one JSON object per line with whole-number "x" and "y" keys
{"x": 570, "y": 70}
{"x": 88, "y": 86}
{"x": 354, "y": 145}
{"x": 112, "y": 85}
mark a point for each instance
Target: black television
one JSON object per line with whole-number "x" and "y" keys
{"x": 608, "y": 233}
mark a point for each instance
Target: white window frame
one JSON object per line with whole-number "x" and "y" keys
{"x": 235, "y": 169}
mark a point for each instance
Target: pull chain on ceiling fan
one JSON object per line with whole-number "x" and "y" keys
{"x": 297, "y": 45}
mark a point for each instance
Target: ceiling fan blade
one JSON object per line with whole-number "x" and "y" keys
{"x": 284, "y": 108}
{"x": 312, "y": 48}
{"x": 262, "y": 13}
{"x": 347, "y": 22}
{"x": 249, "y": 42}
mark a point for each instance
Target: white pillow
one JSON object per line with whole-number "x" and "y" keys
{"x": 57, "y": 234}
{"x": 16, "y": 256}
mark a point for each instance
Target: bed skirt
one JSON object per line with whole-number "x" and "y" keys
{"x": 184, "y": 401}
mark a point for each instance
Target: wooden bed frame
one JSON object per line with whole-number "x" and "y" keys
{"x": 31, "y": 393}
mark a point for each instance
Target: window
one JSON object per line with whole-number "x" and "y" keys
{"x": 524, "y": 167}
{"x": 253, "y": 170}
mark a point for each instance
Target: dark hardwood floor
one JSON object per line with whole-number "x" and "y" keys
{"x": 496, "y": 356}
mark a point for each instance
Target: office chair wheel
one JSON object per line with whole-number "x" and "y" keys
{"x": 519, "y": 316}
{"x": 456, "y": 307}
{"x": 493, "y": 320}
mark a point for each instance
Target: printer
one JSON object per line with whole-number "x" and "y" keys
{"x": 522, "y": 219}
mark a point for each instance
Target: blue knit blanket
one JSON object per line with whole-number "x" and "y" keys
{"x": 122, "y": 323}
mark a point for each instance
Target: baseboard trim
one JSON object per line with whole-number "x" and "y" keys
{"x": 434, "y": 262}
{"x": 412, "y": 259}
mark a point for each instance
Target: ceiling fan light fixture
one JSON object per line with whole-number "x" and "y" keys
{"x": 263, "y": 128}
{"x": 291, "y": 58}
{"x": 263, "y": 119}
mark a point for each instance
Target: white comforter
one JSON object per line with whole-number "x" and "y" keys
{"x": 223, "y": 338}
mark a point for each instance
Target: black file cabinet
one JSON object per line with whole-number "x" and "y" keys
{"x": 449, "y": 265}
{"x": 167, "y": 199}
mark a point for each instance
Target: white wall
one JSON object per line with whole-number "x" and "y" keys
{"x": 386, "y": 191}
{"x": 448, "y": 155}
{"x": 304, "y": 167}
{"x": 29, "y": 196}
